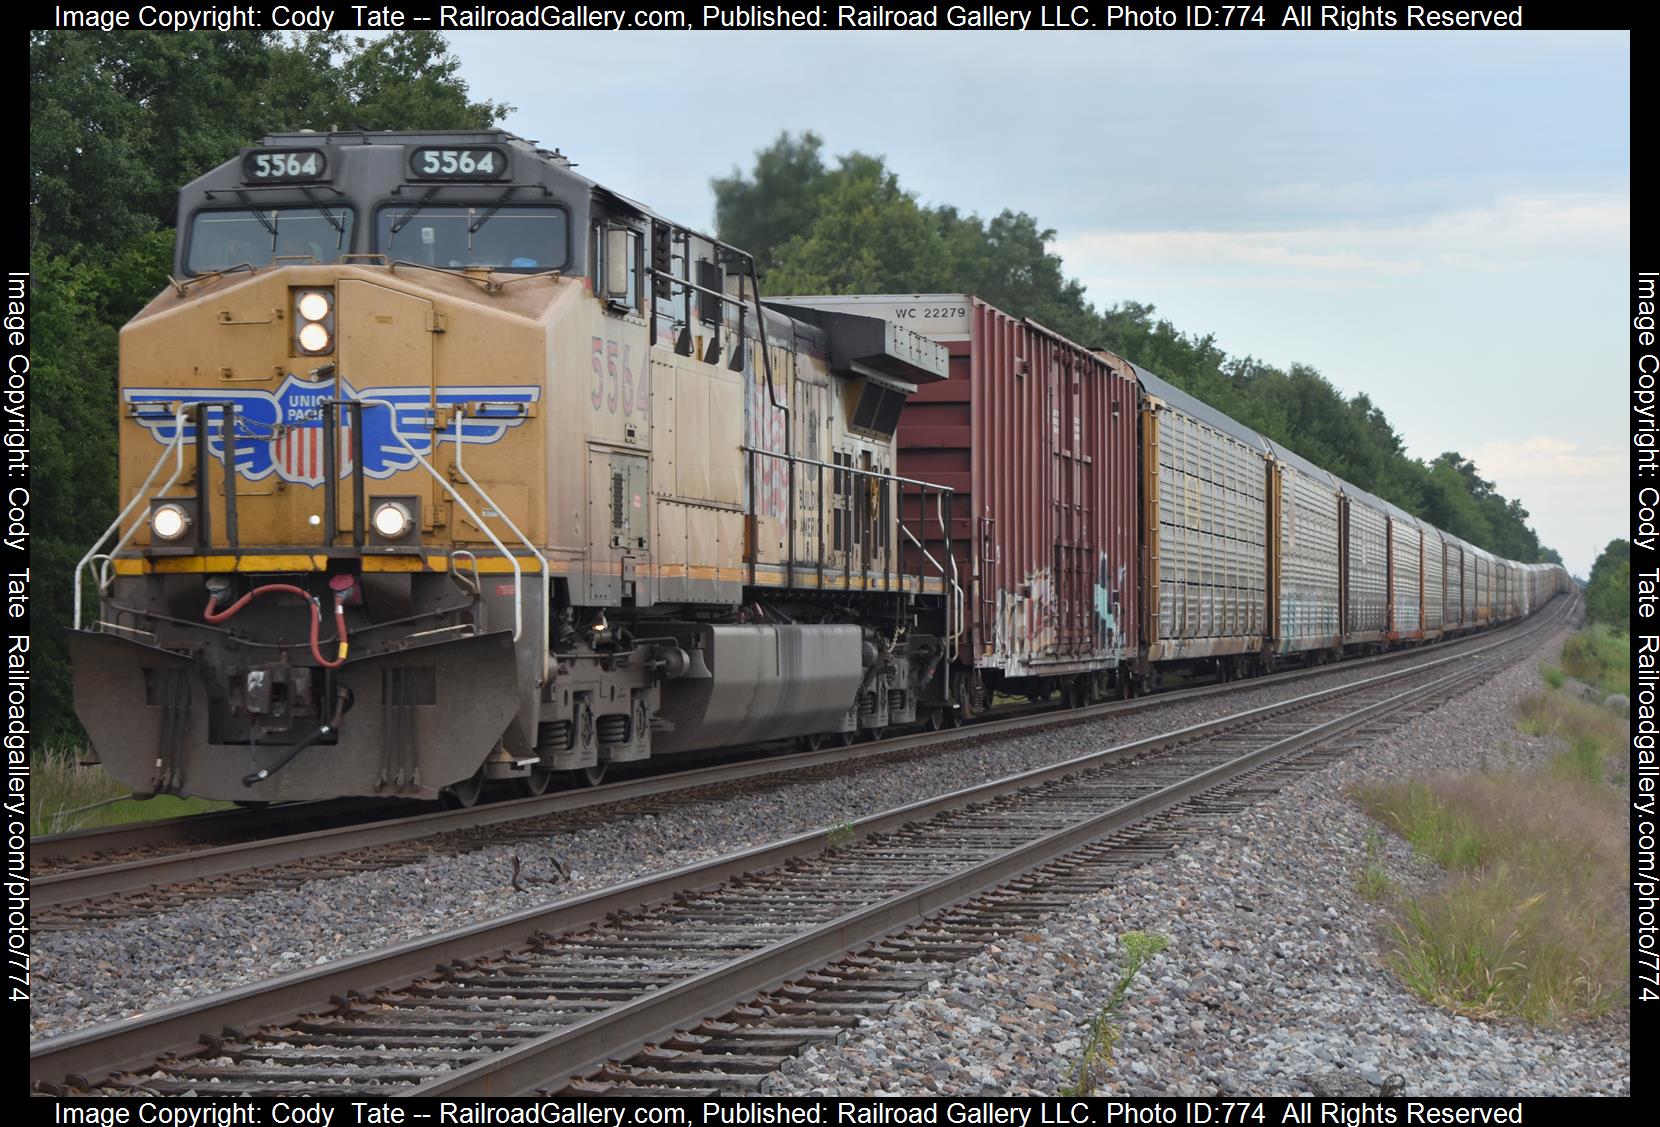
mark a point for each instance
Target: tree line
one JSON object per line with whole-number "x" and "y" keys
{"x": 848, "y": 226}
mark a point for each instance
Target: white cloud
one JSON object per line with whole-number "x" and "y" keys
{"x": 1510, "y": 233}
{"x": 1543, "y": 458}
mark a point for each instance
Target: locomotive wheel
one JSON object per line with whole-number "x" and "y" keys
{"x": 588, "y": 776}
{"x": 462, "y": 795}
{"x": 535, "y": 782}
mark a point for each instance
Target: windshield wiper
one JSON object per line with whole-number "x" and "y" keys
{"x": 472, "y": 228}
{"x": 270, "y": 227}
{"x": 339, "y": 227}
{"x": 399, "y": 223}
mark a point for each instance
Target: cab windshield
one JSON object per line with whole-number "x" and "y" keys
{"x": 503, "y": 238}
{"x": 222, "y": 239}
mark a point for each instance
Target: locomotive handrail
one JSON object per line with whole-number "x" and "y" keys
{"x": 501, "y": 513}
{"x": 882, "y": 474}
{"x": 954, "y": 614}
{"x": 518, "y": 572}
{"x": 926, "y": 554}
{"x": 955, "y": 598}
{"x": 177, "y": 449}
{"x": 455, "y": 563}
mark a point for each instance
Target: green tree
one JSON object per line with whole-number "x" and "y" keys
{"x": 778, "y": 202}
{"x": 1608, "y": 593}
{"x": 405, "y": 80}
{"x": 867, "y": 236}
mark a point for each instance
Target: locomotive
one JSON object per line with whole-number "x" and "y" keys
{"x": 443, "y": 464}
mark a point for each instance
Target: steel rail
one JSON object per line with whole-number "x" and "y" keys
{"x": 86, "y": 1056}
{"x": 622, "y": 1030}
{"x": 73, "y": 886}
{"x": 187, "y": 830}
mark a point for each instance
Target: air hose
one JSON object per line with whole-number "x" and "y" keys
{"x": 287, "y": 757}
{"x": 264, "y": 773}
{"x": 212, "y": 614}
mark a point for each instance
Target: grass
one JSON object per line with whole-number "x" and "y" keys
{"x": 1531, "y": 921}
{"x": 1594, "y": 737}
{"x": 1375, "y": 883}
{"x": 1600, "y": 656}
{"x": 59, "y": 787}
{"x": 1104, "y": 1031}
{"x": 840, "y": 834}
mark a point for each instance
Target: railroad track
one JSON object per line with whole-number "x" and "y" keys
{"x": 50, "y": 854}
{"x": 132, "y": 877}
{"x": 550, "y": 997}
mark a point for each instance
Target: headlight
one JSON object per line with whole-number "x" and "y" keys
{"x": 169, "y": 522}
{"x": 313, "y": 337}
{"x": 314, "y": 306}
{"x": 392, "y": 520}
{"x": 313, "y": 321}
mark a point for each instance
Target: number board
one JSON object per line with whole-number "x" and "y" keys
{"x": 284, "y": 166}
{"x": 457, "y": 164}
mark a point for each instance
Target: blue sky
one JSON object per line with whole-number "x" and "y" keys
{"x": 1440, "y": 221}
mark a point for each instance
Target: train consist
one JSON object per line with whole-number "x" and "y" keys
{"x": 443, "y": 464}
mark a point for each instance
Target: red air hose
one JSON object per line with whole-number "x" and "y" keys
{"x": 214, "y": 615}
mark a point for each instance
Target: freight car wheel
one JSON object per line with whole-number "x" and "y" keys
{"x": 846, "y": 739}
{"x": 935, "y": 719}
{"x": 535, "y": 782}
{"x": 812, "y": 742}
{"x": 588, "y": 776}
{"x": 462, "y": 795}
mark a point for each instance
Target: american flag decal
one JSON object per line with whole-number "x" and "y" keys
{"x": 298, "y": 451}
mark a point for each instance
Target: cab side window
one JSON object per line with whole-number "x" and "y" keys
{"x": 617, "y": 265}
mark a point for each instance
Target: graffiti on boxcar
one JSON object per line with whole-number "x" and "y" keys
{"x": 1108, "y": 583}
{"x": 1026, "y": 617}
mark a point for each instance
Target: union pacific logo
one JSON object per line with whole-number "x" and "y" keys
{"x": 280, "y": 433}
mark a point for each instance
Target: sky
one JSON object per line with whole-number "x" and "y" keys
{"x": 1441, "y": 221}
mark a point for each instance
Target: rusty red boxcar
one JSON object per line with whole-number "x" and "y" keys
{"x": 1037, "y": 436}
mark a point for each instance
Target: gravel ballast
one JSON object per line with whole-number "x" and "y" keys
{"x": 99, "y": 974}
{"x": 1272, "y": 982}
